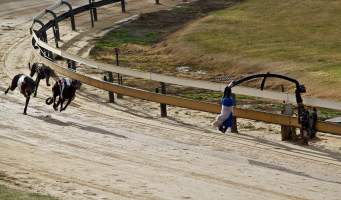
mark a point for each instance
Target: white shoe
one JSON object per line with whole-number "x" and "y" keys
{"x": 229, "y": 130}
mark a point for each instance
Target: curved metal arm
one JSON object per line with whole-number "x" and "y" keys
{"x": 34, "y": 22}
{"x": 56, "y": 26}
{"x": 299, "y": 88}
{"x": 67, "y": 4}
{"x": 237, "y": 82}
{"x": 52, "y": 13}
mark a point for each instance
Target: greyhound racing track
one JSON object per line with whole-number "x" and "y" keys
{"x": 100, "y": 151}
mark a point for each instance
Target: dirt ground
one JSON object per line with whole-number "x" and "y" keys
{"x": 96, "y": 150}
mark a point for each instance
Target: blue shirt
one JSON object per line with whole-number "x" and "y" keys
{"x": 227, "y": 101}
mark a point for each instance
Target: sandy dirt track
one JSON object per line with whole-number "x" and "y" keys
{"x": 95, "y": 150}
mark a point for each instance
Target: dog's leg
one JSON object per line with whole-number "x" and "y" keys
{"x": 11, "y": 87}
{"x": 55, "y": 105}
{"x": 48, "y": 80}
{"x": 37, "y": 85}
{"x": 14, "y": 84}
{"x": 67, "y": 104}
{"x": 61, "y": 105}
{"x": 7, "y": 90}
{"x": 27, "y": 100}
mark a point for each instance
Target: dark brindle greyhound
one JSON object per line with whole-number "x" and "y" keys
{"x": 65, "y": 89}
{"x": 42, "y": 71}
{"x": 26, "y": 86}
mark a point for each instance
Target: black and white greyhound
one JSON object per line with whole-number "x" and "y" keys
{"x": 65, "y": 89}
{"x": 43, "y": 72}
{"x": 26, "y": 86}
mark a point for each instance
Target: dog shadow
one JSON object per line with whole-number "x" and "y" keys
{"x": 93, "y": 129}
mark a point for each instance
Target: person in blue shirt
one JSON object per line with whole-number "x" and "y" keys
{"x": 224, "y": 121}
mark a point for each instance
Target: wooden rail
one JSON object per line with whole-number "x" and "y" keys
{"x": 187, "y": 103}
{"x": 173, "y": 100}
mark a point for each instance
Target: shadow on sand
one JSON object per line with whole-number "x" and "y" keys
{"x": 77, "y": 125}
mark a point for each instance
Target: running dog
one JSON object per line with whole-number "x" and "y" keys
{"x": 26, "y": 86}
{"x": 43, "y": 72}
{"x": 65, "y": 89}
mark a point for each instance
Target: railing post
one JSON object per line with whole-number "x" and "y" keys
{"x": 56, "y": 26}
{"x": 163, "y": 107}
{"x": 123, "y": 6}
{"x": 109, "y": 78}
{"x": 55, "y": 36}
{"x": 234, "y": 128}
{"x": 91, "y": 14}
{"x": 44, "y": 52}
{"x": 72, "y": 16}
{"x": 94, "y": 10}
{"x": 288, "y": 132}
{"x": 119, "y": 76}
{"x": 71, "y": 65}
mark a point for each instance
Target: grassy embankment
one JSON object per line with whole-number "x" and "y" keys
{"x": 295, "y": 37}
{"x": 11, "y": 194}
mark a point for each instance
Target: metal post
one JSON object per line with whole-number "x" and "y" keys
{"x": 72, "y": 16}
{"x": 43, "y": 37}
{"x": 119, "y": 76}
{"x": 94, "y": 10}
{"x": 55, "y": 36}
{"x": 109, "y": 78}
{"x": 45, "y": 53}
{"x": 91, "y": 14}
{"x": 55, "y": 29}
{"x": 56, "y": 26}
{"x": 117, "y": 53}
{"x": 123, "y": 5}
{"x": 234, "y": 128}
{"x": 38, "y": 34}
{"x": 157, "y": 2}
{"x": 71, "y": 65}
{"x": 163, "y": 107}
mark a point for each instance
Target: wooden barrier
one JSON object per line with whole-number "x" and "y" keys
{"x": 172, "y": 100}
{"x": 187, "y": 103}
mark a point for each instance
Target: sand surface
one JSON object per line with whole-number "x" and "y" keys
{"x": 96, "y": 150}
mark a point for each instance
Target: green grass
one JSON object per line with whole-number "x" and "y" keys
{"x": 11, "y": 194}
{"x": 302, "y": 31}
{"x": 325, "y": 114}
{"x": 202, "y": 96}
{"x": 124, "y": 36}
{"x": 299, "y": 38}
{"x": 150, "y": 28}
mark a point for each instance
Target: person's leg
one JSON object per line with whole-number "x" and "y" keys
{"x": 227, "y": 125}
{"x": 222, "y": 128}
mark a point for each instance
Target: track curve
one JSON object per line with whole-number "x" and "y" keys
{"x": 102, "y": 151}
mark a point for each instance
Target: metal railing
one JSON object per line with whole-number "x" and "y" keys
{"x": 47, "y": 52}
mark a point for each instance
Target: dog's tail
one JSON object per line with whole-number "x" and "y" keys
{"x": 49, "y": 101}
